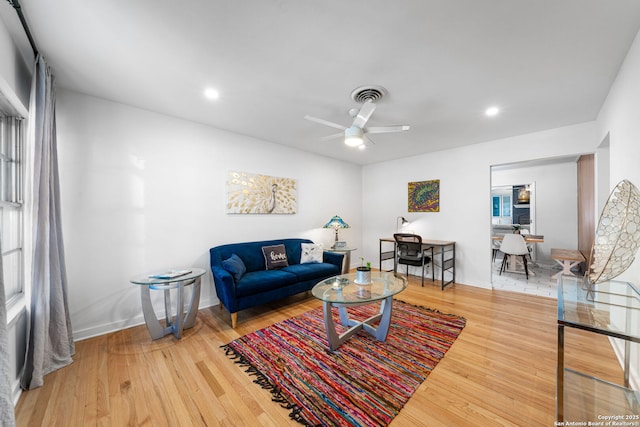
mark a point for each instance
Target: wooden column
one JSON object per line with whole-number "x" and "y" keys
{"x": 586, "y": 205}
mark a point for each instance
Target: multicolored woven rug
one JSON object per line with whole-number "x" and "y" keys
{"x": 365, "y": 382}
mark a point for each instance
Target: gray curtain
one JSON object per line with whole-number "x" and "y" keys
{"x": 50, "y": 341}
{"x": 7, "y": 415}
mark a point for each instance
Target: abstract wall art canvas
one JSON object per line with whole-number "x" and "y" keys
{"x": 249, "y": 193}
{"x": 424, "y": 196}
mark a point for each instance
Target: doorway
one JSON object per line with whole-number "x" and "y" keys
{"x": 551, "y": 213}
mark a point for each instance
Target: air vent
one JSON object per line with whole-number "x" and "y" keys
{"x": 368, "y": 94}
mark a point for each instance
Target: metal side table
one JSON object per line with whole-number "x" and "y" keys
{"x": 167, "y": 281}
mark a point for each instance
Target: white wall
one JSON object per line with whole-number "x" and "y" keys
{"x": 142, "y": 191}
{"x": 15, "y": 72}
{"x": 556, "y": 203}
{"x": 465, "y": 189}
{"x": 619, "y": 119}
{"x": 603, "y": 170}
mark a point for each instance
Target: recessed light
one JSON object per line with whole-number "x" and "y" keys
{"x": 492, "y": 111}
{"x": 211, "y": 93}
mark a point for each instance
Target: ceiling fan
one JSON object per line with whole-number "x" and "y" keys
{"x": 354, "y": 135}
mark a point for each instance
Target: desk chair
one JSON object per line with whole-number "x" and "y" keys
{"x": 514, "y": 245}
{"x": 409, "y": 252}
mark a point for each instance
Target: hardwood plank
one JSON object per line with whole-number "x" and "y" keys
{"x": 500, "y": 371}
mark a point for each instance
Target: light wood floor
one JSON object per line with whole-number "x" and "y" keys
{"x": 499, "y": 372}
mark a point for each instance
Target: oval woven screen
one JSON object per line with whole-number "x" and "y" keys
{"x": 618, "y": 234}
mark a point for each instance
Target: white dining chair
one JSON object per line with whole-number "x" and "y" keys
{"x": 495, "y": 247}
{"x": 514, "y": 245}
{"x": 524, "y": 232}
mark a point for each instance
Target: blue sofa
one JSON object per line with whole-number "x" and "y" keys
{"x": 257, "y": 285}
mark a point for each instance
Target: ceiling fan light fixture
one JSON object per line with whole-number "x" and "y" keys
{"x": 353, "y": 136}
{"x": 492, "y": 111}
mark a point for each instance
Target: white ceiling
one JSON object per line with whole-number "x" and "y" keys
{"x": 546, "y": 63}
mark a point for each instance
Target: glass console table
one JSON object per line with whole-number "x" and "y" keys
{"x": 612, "y": 309}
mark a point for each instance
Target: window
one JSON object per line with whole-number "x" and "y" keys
{"x": 501, "y": 205}
{"x": 11, "y": 204}
{"x": 506, "y": 205}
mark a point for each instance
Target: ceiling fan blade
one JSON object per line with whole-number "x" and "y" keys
{"x": 387, "y": 129}
{"x": 363, "y": 115}
{"x": 325, "y": 122}
{"x": 334, "y": 136}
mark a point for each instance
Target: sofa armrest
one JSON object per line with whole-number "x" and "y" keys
{"x": 225, "y": 288}
{"x": 334, "y": 258}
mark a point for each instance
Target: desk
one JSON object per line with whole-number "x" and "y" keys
{"x": 182, "y": 320}
{"x": 443, "y": 246}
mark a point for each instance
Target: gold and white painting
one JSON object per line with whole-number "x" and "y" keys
{"x": 249, "y": 193}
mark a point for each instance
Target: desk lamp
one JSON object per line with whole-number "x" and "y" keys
{"x": 336, "y": 223}
{"x": 398, "y": 224}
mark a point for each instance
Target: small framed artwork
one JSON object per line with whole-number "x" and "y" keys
{"x": 424, "y": 196}
{"x": 340, "y": 245}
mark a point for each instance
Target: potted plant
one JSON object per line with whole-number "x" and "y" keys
{"x": 363, "y": 273}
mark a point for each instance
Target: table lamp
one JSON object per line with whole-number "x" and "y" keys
{"x": 336, "y": 223}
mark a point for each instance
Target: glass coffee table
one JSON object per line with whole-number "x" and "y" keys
{"x": 343, "y": 291}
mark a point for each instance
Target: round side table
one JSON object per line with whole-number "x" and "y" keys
{"x": 346, "y": 265}
{"x": 167, "y": 281}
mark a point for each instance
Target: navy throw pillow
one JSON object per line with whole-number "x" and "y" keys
{"x": 235, "y": 266}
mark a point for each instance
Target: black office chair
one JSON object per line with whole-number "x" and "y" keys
{"x": 409, "y": 252}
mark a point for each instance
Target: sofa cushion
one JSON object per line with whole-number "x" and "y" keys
{"x": 256, "y": 282}
{"x": 311, "y": 252}
{"x": 235, "y": 266}
{"x": 312, "y": 271}
{"x": 275, "y": 256}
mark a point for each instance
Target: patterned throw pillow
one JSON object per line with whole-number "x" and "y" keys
{"x": 275, "y": 257}
{"x": 311, "y": 252}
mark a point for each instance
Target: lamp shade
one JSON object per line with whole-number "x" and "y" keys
{"x": 336, "y": 222}
{"x": 400, "y": 222}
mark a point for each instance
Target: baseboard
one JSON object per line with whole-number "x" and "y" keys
{"x": 83, "y": 334}
{"x": 618, "y": 349}
{"x": 16, "y": 391}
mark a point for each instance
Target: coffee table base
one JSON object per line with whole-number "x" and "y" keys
{"x": 379, "y": 333}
